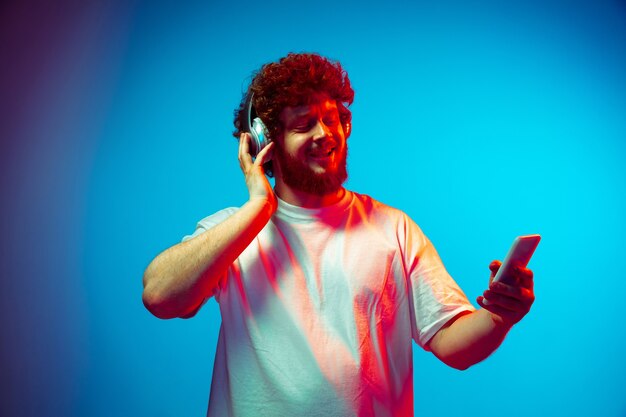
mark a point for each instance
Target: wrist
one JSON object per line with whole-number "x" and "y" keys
{"x": 499, "y": 323}
{"x": 265, "y": 205}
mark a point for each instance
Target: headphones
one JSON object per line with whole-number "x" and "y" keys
{"x": 255, "y": 126}
{"x": 260, "y": 137}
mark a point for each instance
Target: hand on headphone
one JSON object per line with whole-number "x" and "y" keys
{"x": 256, "y": 181}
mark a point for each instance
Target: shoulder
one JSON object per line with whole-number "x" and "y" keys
{"x": 216, "y": 218}
{"x": 388, "y": 217}
{"x": 378, "y": 209}
{"x": 210, "y": 221}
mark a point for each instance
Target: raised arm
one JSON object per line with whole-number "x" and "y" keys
{"x": 181, "y": 277}
{"x": 474, "y": 336}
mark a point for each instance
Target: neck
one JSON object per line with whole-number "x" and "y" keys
{"x": 306, "y": 200}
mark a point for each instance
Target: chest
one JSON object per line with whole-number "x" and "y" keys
{"x": 321, "y": 270}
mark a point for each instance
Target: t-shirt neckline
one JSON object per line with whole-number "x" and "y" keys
{"x": 289, "y": 211}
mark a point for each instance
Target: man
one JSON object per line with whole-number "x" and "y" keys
{"x": 321, "y": 290}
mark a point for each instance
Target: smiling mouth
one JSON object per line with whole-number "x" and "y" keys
{"x": 323, "y": 153}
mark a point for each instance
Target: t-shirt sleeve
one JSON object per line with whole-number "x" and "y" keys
{"x": 210, "y": 221}
{"x": 434, "y": 297}
{"x": 201, "y": 227}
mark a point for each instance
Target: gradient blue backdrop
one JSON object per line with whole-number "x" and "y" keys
{"x": 482, "y": 120}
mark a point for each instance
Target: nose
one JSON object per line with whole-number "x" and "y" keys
{"x": 321, "y": 131}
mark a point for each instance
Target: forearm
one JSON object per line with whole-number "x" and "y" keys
{"x": 470, "y": 339}
{"x": 181, "y": 277}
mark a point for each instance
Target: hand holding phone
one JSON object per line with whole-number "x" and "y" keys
{"x": 519, "y": 255}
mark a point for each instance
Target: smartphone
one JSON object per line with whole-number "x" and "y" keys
{"x": 520, "y": 253}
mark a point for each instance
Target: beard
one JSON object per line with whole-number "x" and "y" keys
{"x": 299, "y": 176}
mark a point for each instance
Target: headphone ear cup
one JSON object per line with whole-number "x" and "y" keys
{"x": 260, "y": 138}
{"x": 255, "y": 127}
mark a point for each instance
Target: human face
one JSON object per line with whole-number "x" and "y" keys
{"x": 312, "y": 154}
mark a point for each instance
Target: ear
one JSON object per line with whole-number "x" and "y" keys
{"x": 347, "y": 129}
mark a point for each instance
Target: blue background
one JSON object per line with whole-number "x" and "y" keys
{"x": 482, "y": 120}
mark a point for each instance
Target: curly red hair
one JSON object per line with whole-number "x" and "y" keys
{"x": 294, "y": 80}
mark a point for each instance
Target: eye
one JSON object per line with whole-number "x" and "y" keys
{"x": 303, "y": 125}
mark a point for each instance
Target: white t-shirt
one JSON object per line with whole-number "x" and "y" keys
{"x": 319, "y": 311}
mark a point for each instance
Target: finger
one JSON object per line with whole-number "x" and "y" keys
{"x": 495, "y": 308}
{"x": 245, "y": 158}
{"x": 481, "y": 301}
{"x": 518, "y": 305}
{"x": 505, "y": 315}
{"x": 512, "y": 291}
{"x": 526, "y": 282}
{"x": 488, "y": 305}
{"x": 265, "y": 155}
{"x": 492, "y": 300}
{"x": 240, "y": 150}
{"x": 494, "y": 266}
{"x": 524, "y": 277}
{"x": 525, "y": 273}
